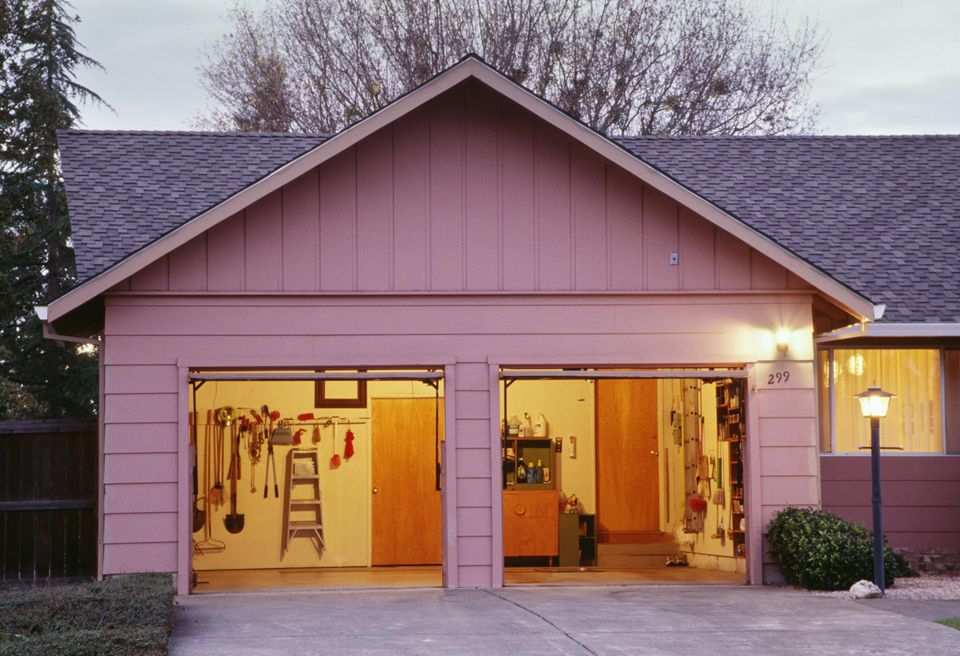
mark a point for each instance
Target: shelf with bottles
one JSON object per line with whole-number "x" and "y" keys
{"x": 528, "y": 463}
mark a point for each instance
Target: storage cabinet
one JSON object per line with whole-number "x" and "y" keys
{"x": 530, "y": 523}
{"x": 578, "y": 540}
{"x": 529, "y": 450}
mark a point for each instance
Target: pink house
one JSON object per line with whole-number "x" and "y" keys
{"x": 471, "y": 243}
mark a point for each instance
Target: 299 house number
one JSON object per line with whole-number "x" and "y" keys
{"x": 778, "y": 377}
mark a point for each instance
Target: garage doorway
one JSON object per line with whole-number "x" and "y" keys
{"x": 623, "y": 476}
{"x": 316, "y": 479}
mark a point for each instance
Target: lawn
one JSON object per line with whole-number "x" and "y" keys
{"x": 121, "y": 616}
{"x": 952, "y": 622}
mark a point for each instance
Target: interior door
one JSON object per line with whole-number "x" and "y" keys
{"x": 406, "y": 504}
{"x": 628, "y": 505}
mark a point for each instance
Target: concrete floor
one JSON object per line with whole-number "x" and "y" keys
{"x": 677, "y": 619}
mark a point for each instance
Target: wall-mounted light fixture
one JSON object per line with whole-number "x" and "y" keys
{"x": 782, "y": 338}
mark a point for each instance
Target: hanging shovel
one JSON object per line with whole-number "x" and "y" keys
{"x": 234, "y": 521}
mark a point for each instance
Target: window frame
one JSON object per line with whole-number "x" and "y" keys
{"x": 832, "y": 393}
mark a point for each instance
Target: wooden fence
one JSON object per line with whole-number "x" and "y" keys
{"x": 48, "y": 513}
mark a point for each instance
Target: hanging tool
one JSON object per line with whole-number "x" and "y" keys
{"x": 271, "y": 462}
{"x": 215, "y": 495}
{"x": 335, "y": 458}
{"x": 199, "y": 516}
{"x": 234, "y": 521}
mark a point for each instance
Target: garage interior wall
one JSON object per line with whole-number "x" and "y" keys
{"x": 345, "y": 490}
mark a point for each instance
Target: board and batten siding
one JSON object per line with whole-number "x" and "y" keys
{"x": 149, "y": 338}
{"x": 466, "y": 232}
{"x": 469, "y": 193}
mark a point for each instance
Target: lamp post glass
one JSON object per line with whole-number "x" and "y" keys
{"x": 873, "y": 404}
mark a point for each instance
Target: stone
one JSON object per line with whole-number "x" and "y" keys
{"x": 864, "y": 590}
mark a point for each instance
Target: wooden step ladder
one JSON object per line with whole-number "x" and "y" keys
{"x": 303, "y": 515}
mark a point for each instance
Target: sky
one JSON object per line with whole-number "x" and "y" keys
{"x": 888, "y": 66}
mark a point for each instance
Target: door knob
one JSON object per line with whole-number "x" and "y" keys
{"x": 375, "y": 490}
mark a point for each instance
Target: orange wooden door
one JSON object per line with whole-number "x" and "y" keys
{"x": 628, "y": 490}
{"x": 406, "y": 504}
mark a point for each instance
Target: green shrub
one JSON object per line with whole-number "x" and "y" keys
{"x": 820, "y": 551}
{"x": 123, "y": 615}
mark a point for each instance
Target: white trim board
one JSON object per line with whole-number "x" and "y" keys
{"x": 470, "y": 67}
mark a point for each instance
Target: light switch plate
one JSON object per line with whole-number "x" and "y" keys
{"x": 674, "y": 258}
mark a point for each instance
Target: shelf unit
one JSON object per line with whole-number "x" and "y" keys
{"x": 731, "y": 429}
{"x": 578, "y": 540}
{"x": 528, "y": 449}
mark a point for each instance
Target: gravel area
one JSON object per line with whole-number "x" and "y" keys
{"x": 940, "y": 586}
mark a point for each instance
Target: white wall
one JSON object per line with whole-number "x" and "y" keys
{"x": 568, "y": 406}
{"x": 345, "y": 491}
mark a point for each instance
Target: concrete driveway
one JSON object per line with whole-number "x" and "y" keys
{"x": 684, "y": 620}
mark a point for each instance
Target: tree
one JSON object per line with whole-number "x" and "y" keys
{"x": 621, "y": 66}
{"x": 38, "y": 92}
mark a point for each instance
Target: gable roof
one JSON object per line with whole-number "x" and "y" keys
{"x": 127, "y": 189}
{"x": 470, "y": 67}
{"x": 881, "y": 214}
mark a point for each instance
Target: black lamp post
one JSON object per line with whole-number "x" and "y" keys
{"x": 873, "y": 405}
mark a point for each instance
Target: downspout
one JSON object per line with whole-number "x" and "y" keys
{"x": 50, "y": 333}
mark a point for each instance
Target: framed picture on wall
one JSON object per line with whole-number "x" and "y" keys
{"x": 340, "y": 394}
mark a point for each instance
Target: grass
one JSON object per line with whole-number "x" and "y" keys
{"x": 122, "y": 616}
{"x": 952, "y": 622}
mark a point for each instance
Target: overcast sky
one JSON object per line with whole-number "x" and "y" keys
{"x": 889, "y": 66}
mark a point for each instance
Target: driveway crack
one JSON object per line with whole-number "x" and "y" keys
{"x": 538, "y": 615}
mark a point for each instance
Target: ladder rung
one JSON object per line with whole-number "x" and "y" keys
{"x": 305, "y": 502}
{"x": 294, "y": 526}
{"x": 306, "y": 477}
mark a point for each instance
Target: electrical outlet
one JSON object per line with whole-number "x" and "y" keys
{"x": 674, "y": 258}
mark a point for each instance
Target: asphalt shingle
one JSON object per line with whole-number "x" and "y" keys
{"x": 879, "y": 214}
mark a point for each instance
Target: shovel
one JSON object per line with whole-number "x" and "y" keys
{"x": 234, "y": 521}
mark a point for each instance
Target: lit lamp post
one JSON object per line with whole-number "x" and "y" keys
{"x": 873, "y": 406}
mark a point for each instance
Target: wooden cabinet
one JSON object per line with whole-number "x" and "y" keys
{"x": 530, "y": 523}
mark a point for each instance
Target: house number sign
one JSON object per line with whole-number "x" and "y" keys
{"x": 784, "y": 375}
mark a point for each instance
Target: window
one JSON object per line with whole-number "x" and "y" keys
{"x": 915, "y": 421}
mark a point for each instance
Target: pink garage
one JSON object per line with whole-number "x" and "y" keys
{"x": 470, "y": 342}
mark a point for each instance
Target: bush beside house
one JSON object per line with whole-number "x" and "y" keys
{"x": 820, "y": 551}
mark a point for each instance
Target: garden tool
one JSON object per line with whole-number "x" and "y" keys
{"x": 215, "y": 496}
{"x": 348, "y": 445}
{"x": 335, "y": 458}
{"x": 234, "y": 521}
{"x": 271, "y": 462}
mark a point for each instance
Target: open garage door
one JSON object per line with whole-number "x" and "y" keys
{"x": 623, "y": 475}
{"x": 316, "y": 479}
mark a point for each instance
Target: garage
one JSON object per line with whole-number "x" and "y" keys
{"x": 616, "y": 476}
{"x": 482, "y": 265}
{"x": 310, "y": 480}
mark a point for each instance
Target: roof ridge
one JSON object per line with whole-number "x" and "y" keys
{"x": 780, "y": 137}
{"x": 199, "y": 133}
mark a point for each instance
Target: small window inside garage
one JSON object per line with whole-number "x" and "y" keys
{"x": 313, "y": 479}
{"x": 924, "y": 417}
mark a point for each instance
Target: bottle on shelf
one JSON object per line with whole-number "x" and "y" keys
{"x": 539, "y": 470}
{"x": 521, "y": 471}
{"x": 531, "y": 473}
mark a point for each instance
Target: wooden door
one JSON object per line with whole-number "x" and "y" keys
{"x": 406, "y": 504}
{"x": 628, "y": 489}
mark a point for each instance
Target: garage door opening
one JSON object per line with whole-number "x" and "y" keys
{"x": 623, "y": 477}
{"x": 316, "y": 479}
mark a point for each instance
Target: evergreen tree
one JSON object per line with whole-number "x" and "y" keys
{"x": 38, "y": 94}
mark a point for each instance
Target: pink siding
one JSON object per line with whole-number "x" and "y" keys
{"x": 149, "y": 337}
{"x": 469, "y": 193}
{"x": 921, "y": 497}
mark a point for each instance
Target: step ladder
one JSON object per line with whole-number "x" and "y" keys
{"x": 302, "y": 514}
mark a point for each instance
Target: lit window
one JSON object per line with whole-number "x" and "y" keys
{"x": 914, "y": 422}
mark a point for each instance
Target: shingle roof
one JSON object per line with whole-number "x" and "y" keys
{"x": 128, "y": 189}
{"x": 879, "y": 214}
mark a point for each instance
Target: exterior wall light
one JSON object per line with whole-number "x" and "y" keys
{"x": 782, "y": 338}
{"x": 873, "y": 405}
